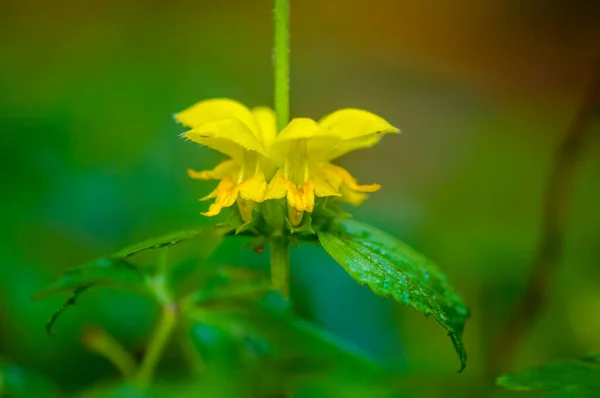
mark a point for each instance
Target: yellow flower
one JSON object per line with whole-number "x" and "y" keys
{"x": 297, "y": 161}
{"x": 304, "y": 149}
{"x": 242, "y": 134}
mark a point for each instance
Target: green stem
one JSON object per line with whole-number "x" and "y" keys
{"x": 166, "y": 324}
{"x": 280, "y": 265}
{"x": 99, "y": 341}
{"x": 159, "y": 340}
{"x": 281, "y": 59}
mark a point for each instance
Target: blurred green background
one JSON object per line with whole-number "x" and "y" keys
{"x": 483, "y": 93}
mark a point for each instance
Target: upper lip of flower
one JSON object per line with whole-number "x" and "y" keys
{"x": 334, "y": 135}
{"x": 229, "y": 127}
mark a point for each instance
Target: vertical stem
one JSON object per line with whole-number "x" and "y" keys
{"x": 280, "y": 265}
{"x": 280, "y": 251}
{"x": 159, "y": 340}
{"x": 99, "y": 341}
{"x": 281, "y": 59}
{"x": 166, "y": 323}
{"x": 557, "y": 203}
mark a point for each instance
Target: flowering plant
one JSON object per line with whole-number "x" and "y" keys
{"x": 280, "y": 187}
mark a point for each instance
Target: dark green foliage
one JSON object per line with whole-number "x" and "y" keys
{"x": 113, "y": 272}
{"x": 120, "y": 390}
{"x": 231, "y": 283}
{"x": 237, "y": 327}
{"x": 560, "y": 379}
{"x": 116, "y": 271}
{"x": 265, "y": 347}
{"x": 242, "y": 328}
{"x": 18, "y": 382}
{"x": 391, "y": 268}
{"x": 109, "y": 271}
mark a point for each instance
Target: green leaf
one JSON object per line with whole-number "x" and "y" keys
{"x": 391, "y": 268}
{"x": 233, "y": 283}
{"x": 104, "y": 272}
{"x": 558, "y": 379}
{"x": 118, "y": 390}
{"x": 114, "y": 272}
{"x": 16, "y": 381}
{"x": 275, "y": 348}
{"x": 184, "y": 275}
{"x": 173, "y": 239}
{"x": 304, "y": 227}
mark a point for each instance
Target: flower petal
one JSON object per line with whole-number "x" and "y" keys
{"x": 254, "y": 187}
{"x": 215, "y": 109}
{"x": 318, "y": 140}
{"x": 356, "y": 128}
{"x": 347, "y": 179}
{"x": 353, "y": 197}
{"x": 300, "y": 128}
{"x": 228, "y": 136}
{"x": 227, "y": 193}
{"x": 351, "y": 123}
{"x": 277, "y": 187}
{"x": 302, "y": 199}
{"x": 222, "y": 170}
{"x": 343, "y": 181}
{"x": 323, "y": 187}
{"x": 354, "y": 144}
{"x": 308, "y": 195}
{"x": 211, "y": 195}
{"x": 265, "y": 118}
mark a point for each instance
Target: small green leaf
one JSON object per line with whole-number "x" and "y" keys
{"x": 391, "y": 268}
{"x": 271, "y": 322}
{"x": 116, "y": 271}
{"x": 305, "y": 226}
{"x": 103, "y": 272}
{"x": 228, "y": 285}
{"x": 16, "y": 381}
{"x": 558, "y": 379}
{"x": 230, "y": 351}
{"x": 246, "y": 331}
{"x": 118, "y": 390}
{"x": 113, "y": 272}
{"x": 327, "y": 209}
{"x": 172, "y": 239}
{"x": 186, "y": 274}
{"x": 65, "y": 305}
{"x": 232, "y": 283}
{"x": 273, "y": 212}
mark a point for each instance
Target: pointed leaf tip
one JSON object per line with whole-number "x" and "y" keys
{"x": 391, "y": 268}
